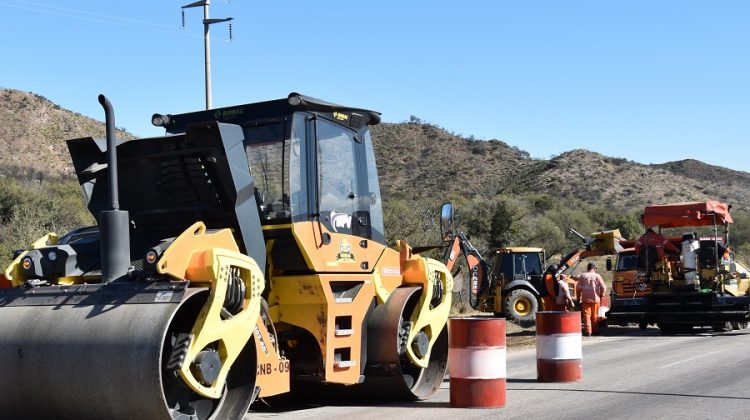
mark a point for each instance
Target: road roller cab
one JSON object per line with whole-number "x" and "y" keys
{"x": 240, "y": 255}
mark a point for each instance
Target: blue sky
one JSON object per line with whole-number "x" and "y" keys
{"x": 650, "y": 81}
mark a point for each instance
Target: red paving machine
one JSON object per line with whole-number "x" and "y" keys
{"x": 681, "y": 272}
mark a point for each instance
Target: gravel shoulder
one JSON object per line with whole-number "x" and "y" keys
{"x": 519, "y": 335}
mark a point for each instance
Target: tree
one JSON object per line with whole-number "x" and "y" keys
{"x": 629, "y": 224}
{"x": 413, "y": 221}
{"x": 29, "y": 211}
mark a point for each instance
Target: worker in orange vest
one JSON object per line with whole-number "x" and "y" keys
{"x": 564, "y": 300}
{"x": 549, "y": 296}
{"x": 590, "y": 290}
{"x": 556, "y": 296}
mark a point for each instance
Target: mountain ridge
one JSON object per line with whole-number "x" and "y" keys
{"x": 416, "y": 160}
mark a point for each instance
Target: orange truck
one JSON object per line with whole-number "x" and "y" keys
{"x": 625, "y": 273}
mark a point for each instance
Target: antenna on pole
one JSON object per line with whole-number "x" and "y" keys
{"x": 206, "y": 40}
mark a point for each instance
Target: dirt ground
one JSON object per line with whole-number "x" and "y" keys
{"x": 520, "y": 336}
{"x": 517, "y": 334}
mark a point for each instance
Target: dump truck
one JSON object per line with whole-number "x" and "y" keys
{"x": 513, "y": 285}
{"x": 242, "y": 255}
{"x": 679, "y": 275}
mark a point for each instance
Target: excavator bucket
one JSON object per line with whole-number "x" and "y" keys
{"x": 607, "y": 241}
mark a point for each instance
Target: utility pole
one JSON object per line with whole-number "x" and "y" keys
{"x": 206, "y": 40}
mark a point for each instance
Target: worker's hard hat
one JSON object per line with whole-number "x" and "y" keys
{"x": 552, "y": 267}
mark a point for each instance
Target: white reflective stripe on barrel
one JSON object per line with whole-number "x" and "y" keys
{"x": 477, "y": 362}
{"x": 559, "y": 347}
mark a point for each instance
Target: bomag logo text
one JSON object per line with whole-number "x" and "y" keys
{"x": 340, "y": 116}
{"x": 229, "y": 113}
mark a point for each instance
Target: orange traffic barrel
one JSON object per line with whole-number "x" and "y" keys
{"x": 558, "y": 346}
{"x": 4, "y": 282}
{"x": 476, "y": 362}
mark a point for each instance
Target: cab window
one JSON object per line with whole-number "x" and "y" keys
{"x": 268, "y": 154}
{"x": 627, "y": 261}
{"x": 519, "y": 265}
{"x": 337, "y": 176}
{"x": 372, "y": 198}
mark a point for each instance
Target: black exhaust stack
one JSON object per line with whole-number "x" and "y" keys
{"x": 114, "y": 224}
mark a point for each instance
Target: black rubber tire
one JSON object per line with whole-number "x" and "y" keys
{"x": 722, "y": 327}
{"x": 667, "y": 329}
{"x": 684, "y": 329}
{"x": 521, "y": 305}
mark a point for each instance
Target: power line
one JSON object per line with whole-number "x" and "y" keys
{"x": 98, "y": 18}
{"x": 94, "y": 14}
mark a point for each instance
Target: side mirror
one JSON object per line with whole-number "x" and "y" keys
{"x": 609, "y": 264}
{"x": 446, "y": 222}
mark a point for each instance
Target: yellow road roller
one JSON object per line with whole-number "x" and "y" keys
{"x": 239, "y": 256}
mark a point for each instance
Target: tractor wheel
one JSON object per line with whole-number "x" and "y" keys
{"x": 521, "y": 305}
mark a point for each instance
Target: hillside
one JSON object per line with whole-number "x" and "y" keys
{"x": 625, "y": 184}
{"x": 416, "y": 160}
{"x": 422, "y": 160}
{"x": 33, "y": 131}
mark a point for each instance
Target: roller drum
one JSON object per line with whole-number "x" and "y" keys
{"x": 389, "y": 374}
{"x": 99, "y": 358}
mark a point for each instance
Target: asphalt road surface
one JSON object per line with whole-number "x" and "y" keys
{"x": 627, "y": 374}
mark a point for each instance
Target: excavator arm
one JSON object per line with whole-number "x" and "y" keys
{"x": 479, "y": 270}
{"x": 599, "y": 244}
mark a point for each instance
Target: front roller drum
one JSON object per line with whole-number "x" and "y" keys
{"x": 102, "y": 358}
{"x": 390, "y": 374}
